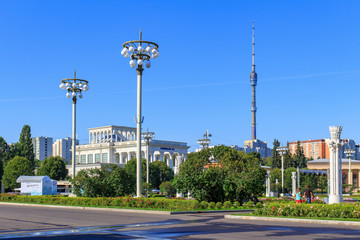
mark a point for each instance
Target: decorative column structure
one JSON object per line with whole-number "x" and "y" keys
{"x": 335, "y": 145}
{"x": 268, "y": 183}
{"x": 293, "y": 178}
{"x": 282, "y": 151}
{"x": 349, "y": 153}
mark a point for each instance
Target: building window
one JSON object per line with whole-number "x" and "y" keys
{"x": 83, "y": 159}
{"x": 104, "y": 157}
{"x": 97, "y": 157}
{"x": 77, "y": 159}
{"x": 90, "y": 158}
{"x": 344, "y": 178}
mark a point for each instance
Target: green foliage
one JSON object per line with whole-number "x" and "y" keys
{"x": 218, "y": 205}
{"x": 258, "y": 205}
{"x": 212, "y": 205}
{"x": 108, "y": 181}
{"x": 236, "y": 204}
{"x": 347, "y": 188}
{"x": 159, "y": 195}
{"x": 24, "y": 148}
{"x": 227, "y": 204}
{"x": 204, "y": 204}
{"x": 167, "y": 188}
{"x": 54, "y": 167}
{"x": 249, "y": 204}
{"x": 276, "y": 159}
{"x": 299, "y": 157}
{"x": 159, "y": 172}
{"x": 314, "y": 180}
{"x": 146, "y": 188}
{"x": 130, "y": 169}
{"x": 116, "y": 202}
{"x": 343, "y": 210}
{"x": 15, "y": 168}
{"x": 237, "y": 176}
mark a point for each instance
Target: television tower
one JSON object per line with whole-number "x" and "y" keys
{"x": 253, "y": 82}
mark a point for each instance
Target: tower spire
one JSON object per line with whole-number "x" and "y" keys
{"x": 253, "y": 82}
{"x": 253, "y": 48}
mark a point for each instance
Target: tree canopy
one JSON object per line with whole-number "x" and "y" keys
{"x": 234, "y": 176}
{"x": 159, "y": 172}
{"x": 108, "y": 181}
{"x": 15, "y": 168}
{"x": 54, "y": 167}
{"x": 276, "y": 159}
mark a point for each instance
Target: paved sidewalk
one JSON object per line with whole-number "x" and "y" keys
{"x": 297, "y": 220}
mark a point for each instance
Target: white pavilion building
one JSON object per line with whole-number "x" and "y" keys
{"x": 117, "y": 145}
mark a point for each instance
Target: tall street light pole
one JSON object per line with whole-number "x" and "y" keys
{"x": 140, "y": 53}
{"x": 148, "y": 136}
{"x": 349, "y": 153}
{"x": 282, "y": 151}
{"x": 74, "y": 87}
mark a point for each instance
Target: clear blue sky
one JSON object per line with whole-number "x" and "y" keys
{"x": 307, "y": 60}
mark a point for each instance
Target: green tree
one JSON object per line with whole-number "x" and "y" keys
{"x": 108, "y": 181}
{"x": 276, "y": 159}
{"x": 299, "y": 156}
{"x": 159, "y": 172}
{"x": 288, "y": 160}
{"x": 167, "y": 188}
{"x": 235, "y": 176}
{"x": 24, "y": 148}
{"x": 275, "y": 174}
{"x": 130, "y": 168}
{"x": 288, "y": 178}
{"x": 54, "y": 167}
{"x": 15, "y": 168}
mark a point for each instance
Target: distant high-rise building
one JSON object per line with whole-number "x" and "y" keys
{"x": 62, "y": 148}
{"x": 42, "y": 147}
{"x": 318, "y": 148}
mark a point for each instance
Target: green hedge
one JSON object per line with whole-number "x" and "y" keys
{"x": 343, "y": 210}
{"x": 119, "y": 202}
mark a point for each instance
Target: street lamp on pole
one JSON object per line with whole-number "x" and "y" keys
{"x": 74, "y": 87}
{"x": 282, "y": 151}
{"x": 349, "y": 153}
{"x": 140, "y": 53}
{"x": 148, "y": 136}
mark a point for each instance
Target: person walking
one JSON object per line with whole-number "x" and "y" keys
{"x": 298, "y": 196}
{"x": 308, "y": 194}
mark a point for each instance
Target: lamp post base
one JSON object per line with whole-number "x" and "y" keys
{"x": 335, "y": 199}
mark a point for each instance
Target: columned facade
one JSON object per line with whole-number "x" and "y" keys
{"x": 117, "y": 145}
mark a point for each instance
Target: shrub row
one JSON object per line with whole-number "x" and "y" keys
{"x": 343, "y": 210}
{"x": 123, "y": 202}
{"x": 120, "y": 202}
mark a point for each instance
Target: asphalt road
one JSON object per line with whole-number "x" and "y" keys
{"x": 54, "y": 223}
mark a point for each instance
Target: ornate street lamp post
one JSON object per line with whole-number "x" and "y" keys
{"x": 140, "y": 53}
{"x": 282, "y": 151}
{"x": 74, "y": 87}
{"x": 148, "y": 136}
{"x": 349, "y": 153}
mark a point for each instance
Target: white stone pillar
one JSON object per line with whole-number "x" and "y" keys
{"x": 335, "y": 145}
{"x": 268, "y": 190}
{"x": 293, "y": 177}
